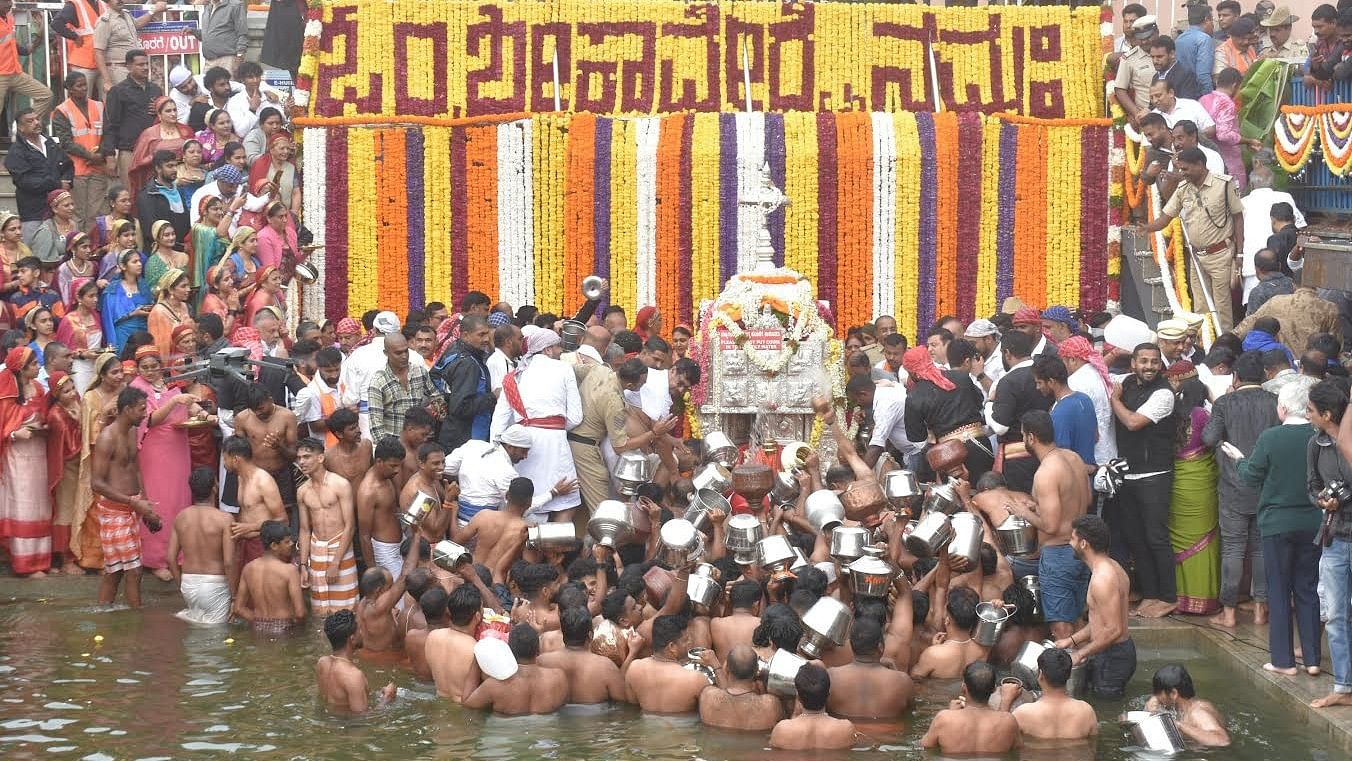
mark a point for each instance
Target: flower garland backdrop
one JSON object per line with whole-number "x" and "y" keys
{"x": 453, "y": 58}
{"x": 533, "y": 204}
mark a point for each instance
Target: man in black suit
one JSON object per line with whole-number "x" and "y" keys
{"x": 1015, "y": 394}
{"x": 1182, "y": 81}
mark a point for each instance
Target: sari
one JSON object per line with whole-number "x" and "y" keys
{"x": 205, "y": 249}
{"x": 77, "y": 332}
{"x": 212, "y": 149}
{"x": 143, "y": 154}
{"x": 63, "y": 473}
{"x": 155, "y": 267}
{"x": 117, "y": 308}
{"x": 161, "y": 323}
{"x": 25, "y": 501}
{"x": 165, "y": 465}
{"x": 1194, "y": 519}
{"x": 101, "y": 233}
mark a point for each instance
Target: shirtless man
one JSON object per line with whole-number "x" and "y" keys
{"x": 377, "y": 517}
{"x": 738, "y": 703}
{"x": 450, "y": 651}
{"x": 866, "y": 689}
{"x": 259, "y": 499}
{"x": 341, "y": 684}
{"x": 433, "y": 606}
{"x": 500, "y": 535}
{"x": 207, "y": 578}
{"x": 431, "y": 462}
{"x": 744, "y": 597}
{"x": 813, "y": 729}
{"x": 116, "y": 482}
{"x": 514, "y": 689}
{"x": 969, "y": 726}
{"x": 953, "y": 649}
{"x": 272, "y": 431}
{"x": 269, "y": 587}
{"x": 326, "y": 525}
{"x": 350, "y": 456}
{"x": 591, "y": 678}
{"x": 417, "y": 431}
{"x": 1105, "y": 641}
{"x": 375, "y": 610}
{"x": 1056, "y": 715}
{"x": 1199, "y": 720}
{"x": 658, "y": 683}
{"x": 991, "y": 499}
{"x": 1062, "y": 494}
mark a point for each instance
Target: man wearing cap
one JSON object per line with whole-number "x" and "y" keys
{"x": 1059, "y": 324}
{"x": 228, "y": 186}
{"x": 986, "y": 338}
{"x": 1213, "y": 226}
{"x": 1131, "y": 86}
{"x": 1029, "y": 322}
{"x": 485, "y": 470}
{"x": 361, "y": 365}
{"x": 542, "y": 396}
{"x": 223, "y": 28}
{"x": 1195, "y": 49}
{"x": 1281, "y": 46}
{"x": 1089, "y": 376}
{"x": 1240, "y": 50}
{"x": 1169, "y": 336}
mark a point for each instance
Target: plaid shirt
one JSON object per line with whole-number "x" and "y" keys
{"x": 391, "y": 400}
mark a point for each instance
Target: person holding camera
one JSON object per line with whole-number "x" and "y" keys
{"x": 1330, "y": 475}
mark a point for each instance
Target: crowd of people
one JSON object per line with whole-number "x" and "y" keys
{"x": 161, "y": 410}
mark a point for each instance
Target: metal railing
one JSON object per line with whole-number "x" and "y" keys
{"x": 1317, "y": 189}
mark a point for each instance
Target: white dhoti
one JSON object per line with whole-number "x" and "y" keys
{"x": 207, "y": 597}
{"x": 388, "y": 556}
{"x": 550, "y": 460}
{"x": 543, "y": 397}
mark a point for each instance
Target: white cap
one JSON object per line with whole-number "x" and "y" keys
{"x": 1126, "y": 332}
{"x": 178, "y": 75}
{"x": 495, "y": 658}
{"x": 981, "y": 328}
{"x": 517, "y": 436}
{"x": 386, "y": 323}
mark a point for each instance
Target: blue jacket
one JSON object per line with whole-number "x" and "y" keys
{"x": 1196, "y": 52}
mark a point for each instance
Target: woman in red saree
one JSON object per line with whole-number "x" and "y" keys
{"x": 278, "y": 168}
{"x": 201, "y": 439}
{"x": 267, "y": 294}
{"x": 63, "y": 463}
{"x": 166, "y": 134}
{"x": 25, "y": 500}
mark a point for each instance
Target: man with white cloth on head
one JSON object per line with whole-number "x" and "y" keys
{"x": 541, "y": 394}
{"x": 363, "y": 363}
{"x": 484, "y": 470}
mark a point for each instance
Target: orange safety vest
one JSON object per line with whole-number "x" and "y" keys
{"x": 327, "y": 405}
{"x": 9, "y": 47}
{"x": 88, "y": 132}
{"x": 85, "y": 18}
{"x": 1241, "y": 59}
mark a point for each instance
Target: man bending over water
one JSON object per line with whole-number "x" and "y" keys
{"x": 341, "y": 684}
{"x": 1199, "y": 720}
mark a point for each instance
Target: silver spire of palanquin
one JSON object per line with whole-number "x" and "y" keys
{"x": 766, "y": 199}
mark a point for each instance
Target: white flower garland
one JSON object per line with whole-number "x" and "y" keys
{"x": 884, "y": 213}
{"x": 645, "y": 172}
{"x": 314, "y": 206}
{"x": 515, "y": 254}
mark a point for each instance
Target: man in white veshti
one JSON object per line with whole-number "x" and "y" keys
{"x": 542, "y": 395}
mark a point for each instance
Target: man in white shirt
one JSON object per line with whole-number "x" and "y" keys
{"x": 1174, "y": 108}
{"x": 314, "y": 403}
{"x": 1089, "y": 376}
{"x": 1185, "y": 136}
{"x": 542, "y": 395}
{"x": 229, "y": 187}
{"x": 244, "y": 106}
{"x": 1258, "y": 219}
{"x": 507, "y": 342}
{"x": 184, "y": 88}
{"x": 986, "y": 338}
{"x": 485, "y": 470}
{"x": 888, "y": 404}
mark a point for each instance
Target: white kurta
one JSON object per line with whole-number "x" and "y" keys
{"x": 1086, "y": 380}
{"x": 548, "y": 387}
{"x": 358, "y": 367}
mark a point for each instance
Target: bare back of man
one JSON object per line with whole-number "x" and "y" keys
{"x": 728, "y": 632}
{"x": 450, "y": 654}
{"x": 500, "y": 537}
{"x": 342, "y": 685}
{"x": 974, "y": 730}
{"x": 661, "y": 686}
{"x": 1057, "y": 717}
{"x": 813, "y": 731}
{"x": 415, "y": 647}
{"x": 947, "y": 659}
{"x": 269, "y": 591}
{"x": 533, "y": 689}
{"x": 591, "y": 678}
{"x": 202, "y": 536}
{"x": 869, "y": 691}
{"x": 746, "y": 711}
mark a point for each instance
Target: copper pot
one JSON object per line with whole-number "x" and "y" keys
{"x": 862, "y": 499}
{"x": 753, "y": 482}
{"x": 658, "y": 582}
{"x": 947, "y": 456}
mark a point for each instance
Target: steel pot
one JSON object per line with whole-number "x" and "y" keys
{"x": 774, "y": 553}
{"x": 572, "y": 334}
{"x": 941, "y": 499}
{"x": 779, "y": 673}
{"x": 1155, "y": 732}
{"x": 718, "y": 448}
{"x": 786, "y": 489}
{"x": 1077, "y": 684}
{"x": 826, "y": 623}
{"x": 862, "y": 499}
{"x": 793, "y": 457}
{"x": 701, "y": 502}
{"x": 707, "y": 570}
{"x": 681, "y": 543}
{"x": 902, "y": 489}
{"x": 740, "y": 535}
{"x": 871, "y": 576}
{"x": 1031, "y": 584}
{"x": 753, "y": 482}
{"x": 713, "y": 477}
{"x": 693, "y": 663}
{"x": 448, "y": 555}
{"x": 848, "y": 542}
{"x": 1025, "y": 667}
{"x": 990, "y": 623}
{"x": 799, "y": 560}
{"x": 967, "y": 535}
{"x": 552, "y": 536}
{"x": 632, "y": 471}
{"x": 702, "y": 590}
{"x": 422, "y": 504}
{"x": 824, "y": 510}
{"x": 611, "y": 523}
{"x": 1016, "y": 536}
{"x": 931, "y": 535}
{"x": 306, "y": 273}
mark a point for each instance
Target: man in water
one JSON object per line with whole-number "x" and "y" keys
{"x": 207, "y": 578}
{"x": 341, "y": 683}
{"x": 813, "y": 729}
{"x": 1056, "y": 715}
{"x": 969, "y": 726}
{"x": 377, "y": 519}
{"x": 269, "y": 587}
{"x": 954, "y": 649}
{"x": 375, "y": 609}
{"x": 326, "y": 527}
{"x": 866, "y": 689}
{"x": 271, "y": 430}
{"x": 499, "y": 535}
{"x": 348, "y": 454}
{"x": 116, "y": 482}
{"x": 450, "y": 651}
{"x": 514, "y": 689}
{"x": 1062, "y": 492}
{"x": 738, "y": 703}
{"x": 744, "y": 597}
{"x": 431, "y": 463}
{"x": 259, "y": 499}
{"x": 432, "y": 604}
{"x": 1199, "y": 720}
{"x": 591, "y": 678}
{"x": 659, "y": 683}
{"x": 1105, "y": 641}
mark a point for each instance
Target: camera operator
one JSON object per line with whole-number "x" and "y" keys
{"x": 1329, "y": 454}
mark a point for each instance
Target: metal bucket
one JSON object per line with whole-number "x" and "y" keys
{"x": 967, "y": 534}
{"x": 552, "y": 536}
{"x": 1031, "y": 584}
{"x": 1016, "y": 536}
{"x": 902, "y": 489}
{"x": 681, "y": 543}
{"x": 632, "y": 471}
{"x": 1024, "y": 665}
{"x": 826, "y": 623}
{"x": 611, "y": 523}
{"x": 422, "y": 504}
{"x": 780, "y": 671}
{"x": 701, "y": 502}
{"x": 1155, "y": 732}
{"x": 990, "y": 623}
{"x": 824, "y": 510}
{"x": 941, "y": 499}
{"x": 871, "y": 577}
{"x": 572, "y": 333}
{"x": 848, "y": 542}
{"x": 740, "y": 535}
{"x": 774, "y": 553}
{"x": 786, "y": 489}
{"x": 702, "y": 590}
{"x": 931, "y": 535}
{"x": 448, "y": 555}
{"x": 718, "y": 448}
{"x": 714, "y": 477}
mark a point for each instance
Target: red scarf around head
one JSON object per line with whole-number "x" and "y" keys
{"x": 920, "y": 366}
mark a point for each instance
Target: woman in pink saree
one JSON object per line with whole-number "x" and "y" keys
{"x": 164, "y": 456}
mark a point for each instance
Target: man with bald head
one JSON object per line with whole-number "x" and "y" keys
{"x": 396, "y": 389}
{"x": 737, "y": 703}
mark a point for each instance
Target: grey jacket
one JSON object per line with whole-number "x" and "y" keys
{"x": 1239, "y": 417}
{"x": 1327, "y": 464}
{"x": 223, "y": 28}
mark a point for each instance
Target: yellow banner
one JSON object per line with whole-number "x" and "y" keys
{"x": 453, "y": 58}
